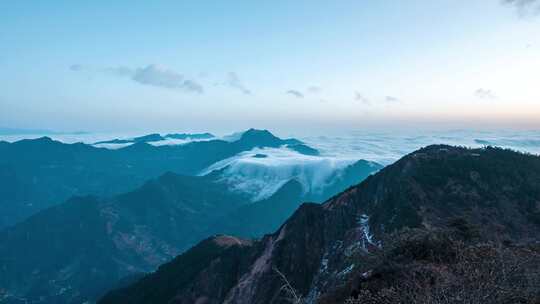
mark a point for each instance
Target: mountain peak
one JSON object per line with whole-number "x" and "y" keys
{"x": 264, "y": 138}
{"x": 257, "y": 133}
{"x": 149, "y": 137}
{"x": 429, "y": 186}
{"x": 43, "y": 139}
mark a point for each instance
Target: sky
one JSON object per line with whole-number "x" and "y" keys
{"x": 286, "y": 65}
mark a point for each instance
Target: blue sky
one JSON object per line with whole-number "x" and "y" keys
{"x": 228, "y": 65}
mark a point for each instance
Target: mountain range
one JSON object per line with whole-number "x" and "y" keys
{"x": 155, "y": 137}
{"x": 93, "y": 243}
{"x": 193, "y": 223}
{"x": 40, "y": 173}
{"x": 442, "y": 225}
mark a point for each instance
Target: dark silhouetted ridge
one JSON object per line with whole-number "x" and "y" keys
{"x": 442, "y": 195}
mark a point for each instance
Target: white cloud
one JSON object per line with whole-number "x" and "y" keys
{"x": 485, "y": 94}
{"x": 153, "y": 75}
{"x": 159, "y": 76}
{"x": 391, "y": 99}
{"x": 261, "y": 177}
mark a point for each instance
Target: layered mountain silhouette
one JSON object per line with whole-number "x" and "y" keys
{"x": 463, "y": 214}
{"x": 39, "y": 173}
{"x": 155, "y": 137}
{"x": 91, "y": 244}
{"x": 87, "y": 244}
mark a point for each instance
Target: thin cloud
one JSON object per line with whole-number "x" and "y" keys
{"x": 524, "y": 6}
{"x": 121, "y": 71}
{"x": 359, "y": 97}
{"x": 391, "y": 99}
{"x": 521, "y": 3}
{"x": 76, "y": 67}
{"x": 159, "y": 76}
{"x": 314, "y": 89}
{"x": 485, "y": 94}
{"x": 234, "y": 81}
{"x": 151, "y": 75}
{"x": 192, "y": 86}
{"x": 295, "y": 93}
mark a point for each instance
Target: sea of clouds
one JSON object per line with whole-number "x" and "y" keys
{"x": 262, "y": 176}
{"x": 387, "y": 147}
{"x": 381, "y": 147}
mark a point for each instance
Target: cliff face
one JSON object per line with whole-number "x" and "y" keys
{"x": 488, "y": 194}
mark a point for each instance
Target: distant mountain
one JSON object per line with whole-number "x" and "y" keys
{"x": 155, "y": 137}
{"x": 469, "y": 222}
{"x": 263, "y": 138}
{"x": 190, "y": 136}
{"x": 89, "y": 244}
{"x": 140, "y": 139}
{"x": 42, "y": 172}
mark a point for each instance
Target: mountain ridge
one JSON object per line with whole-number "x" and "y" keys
{"x": 44, "y": 172}
{"x": 156, "y": 137}
{"x": 130, "y": 233}
{"x": 319, "y": 246}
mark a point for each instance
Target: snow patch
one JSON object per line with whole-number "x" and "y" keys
{"x": 363, "y": 220}
{"x": 364, "y": 236}
{"x": 346, "y": 271}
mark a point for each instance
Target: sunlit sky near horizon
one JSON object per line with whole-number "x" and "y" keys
{"x": 231, "y": 65}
